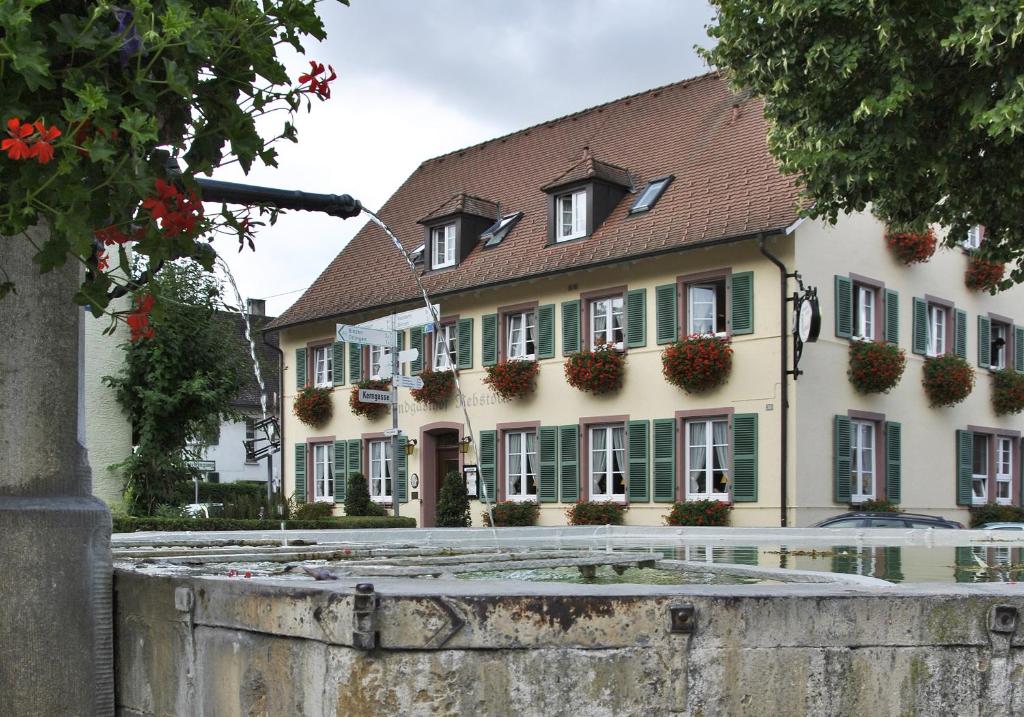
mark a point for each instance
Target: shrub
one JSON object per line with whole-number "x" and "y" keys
{"x": 313, "y": 405}
{"x": 699, "y": 512}
{"x": 697, "y": 363}
{"x": 168, "y": 511}
{"x": 875, "y": 367}
{"x": 598, "y": 371}
{"x": 595, "y": 513}
{"x": 948, "y": 380}
{"x": 512, "y": 379}
{"x": 357, "y": 497}
{"x": 911, "y": 247}
{"x": 983, "y": 274}
{"x": 131, "y": 524}
{"x": 994, "y": 513}
{"x": 453, "y": 503}
{"x": 513, "y": 513}
{"x": 184, "y": 491}
{"x": 1007, "y": 392}
{"x": 317, "y": 510}
{"x": 877, "y": 506}
{"x": 437, "y": 388}
{"x": 367, "y": 410}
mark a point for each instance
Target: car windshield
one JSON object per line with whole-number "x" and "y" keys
{"x": 844, "y": 523}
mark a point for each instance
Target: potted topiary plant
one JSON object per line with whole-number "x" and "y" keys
{"x": 697, "y": 363}
{"x": 512, "y": 379}
{"x": 357, "y": 497}
{"x": 367, "y": 410}
{"x": 983, "y": 274}
{"x": 911, "y": 247}
{"x": 437, "y": 387}
{"x": 313, "y": 405}
{"x": 1007, "y": 392}
{"x": 453, "y": 503}
{"x": 948, "y": 380}
{"x": 875, "y": 367}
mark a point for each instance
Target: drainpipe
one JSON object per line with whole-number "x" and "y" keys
{"x": 783, "y": 377}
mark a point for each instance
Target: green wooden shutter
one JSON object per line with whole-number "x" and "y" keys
{"x": 893, "y": 461}
{"x": 489, "y": 348}
{"x": 964, "y": 454}
{"x": 338, "y": 363}
{"x": 568, "y": 463}
{"x": 416, "y": 342}
{"x": 741, "y": 299}
{"x": 355, "y": 456}
{"x": 665, "y": 460}
{"x": 744, "y": 555}
{"x": 666, "y": 314}
{"x": 340, "y": 471}
{"x": 893, "y": 564}
{"x": 636, "y": 318}
{"x": 355, "y": 363}
{"x": 960, "y": 342}
{"x": 547, "y": 437}
{"x": 984, "y": 341}
{"x": 841, "y": 458}
{"x": 638, "y": 439}
{"x": 465, "y": 357}
{"x": 919, "y": 340}
{"x": 488, "y": 455}
{"x": 1018, "y": 348}
{"x": 300, "y": 368}
{"x": 546, "y": 331}
{"x": 570, "y": 327}
{"x": 300, "y": 473}
{"x": 401, "y": 341}
{"x": 844, "y": 307}
{"x": 744, "y": 458}
{"x": 892, "y": 316}
{"x": 403, "y": 471}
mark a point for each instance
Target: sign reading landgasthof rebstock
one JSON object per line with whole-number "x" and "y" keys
{"x": 369, "y": 395}
{"x": 373, "y": 337}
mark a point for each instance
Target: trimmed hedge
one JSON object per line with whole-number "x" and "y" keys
{"x": 512, "y": 513}
{"x": 131, "y": 524}
{"x": 185, "y": 492}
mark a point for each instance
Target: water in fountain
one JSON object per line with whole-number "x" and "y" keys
{"x": 248, "y": 334}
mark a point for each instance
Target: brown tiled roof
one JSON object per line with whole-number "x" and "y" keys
{"x": 463, "y": 203}
{"x": 590, "y": 168}
{"x": 712, "y": 140}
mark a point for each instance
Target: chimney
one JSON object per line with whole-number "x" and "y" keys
{"x": 256, "y": 307}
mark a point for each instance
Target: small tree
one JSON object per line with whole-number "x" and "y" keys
{"x": 453, "y": 503}
{"x": 357, "y": 497}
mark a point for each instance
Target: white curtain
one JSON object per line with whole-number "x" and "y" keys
{"x": 719, "y": 434}
{"x": 531, "y": 457}
{"x": 515, "y": 467}
{"x": 618, "y": 454}
{"x": 599, "y": 469}
{"x": 698, "y": 456}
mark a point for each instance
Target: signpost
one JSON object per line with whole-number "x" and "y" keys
{"x": 360, "y": 335}
{"x": 407, "y": 381}
{"x": 404, "y": 320}
{"x": 370, "y": 395}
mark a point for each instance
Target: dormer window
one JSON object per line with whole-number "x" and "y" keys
{"x": 442, "y": 246}
{"x": 572, "y": 215}
{"x": 583, "y": 197}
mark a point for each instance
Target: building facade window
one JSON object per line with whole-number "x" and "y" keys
{"x": 707, "y": 459}
{"x": 606, "y": 322}
{"x": 250, "y": 439}
{"x": 864, "y": 303}
{"x": 1004, "y": 470}
{"x": 1000, "y": 336}
{"x": 938, "y": 331}
{"x": 446, "y": 347}
{"x": 979, "y": 470}
{"x": 442, "y": 246}
{"x": 323, "y": 472}
{"x": 380, "y": 357}
{"x": 705, "y": 308}
{"x": 608, "y": 463}
{"x": 862, "y": 461}
{"x": 972, "y": 241}
{"x": 521, "y": 465}
{"x": 521, "y": 336}
{"x": 380, "y": 471}
{"x": 571, "y": 212}
{"x": 323, "y": 366}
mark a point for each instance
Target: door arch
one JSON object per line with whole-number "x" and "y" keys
{"x": 439, "y": 453}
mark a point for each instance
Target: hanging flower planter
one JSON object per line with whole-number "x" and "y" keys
{"x": 948, "y": 380}
{"x": 437, "y": 388}
{"x": 1007, "y": 392}
{"x": 599, "y": 371}
{"x": 983, "y": 274}
{"x": 512, "y": 379}
{"x": 313, "y": 406}
{"x": 911, "y": 247}
{"x": 697, "y": 363}
{"x": 874, "y": 367}
{"x": 367, "y": 410}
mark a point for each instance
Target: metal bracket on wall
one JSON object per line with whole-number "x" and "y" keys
{"x": 682, "y": 619}
{"x": 364, "y": 617}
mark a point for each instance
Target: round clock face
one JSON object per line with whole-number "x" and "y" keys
{"x": 808, "y": 322}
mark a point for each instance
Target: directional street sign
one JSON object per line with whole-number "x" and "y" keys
{"x": 408, "y": 381}
{"x": 360, "y": 335}
{"x": 369, "y": 395}
{"x": 404, "y": 320}
{"x": 388, "y": 432}
{"x": 384, "y": 371}
{"x": 408, "y": 355}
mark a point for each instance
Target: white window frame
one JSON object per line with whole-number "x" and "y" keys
{"x": 523, "y": 454}
{"x": 442, "y": 246}
{"x": 323, "y": 473}
{"x": 609, "y": 454}
{"x": 520, "y": 326}
{"x": 691, "y": 328}
{"x": 611, "y": 306}
{"x": 571, "y": 215}
{"x": 863, "y": 456}
{"x": 864, "y": 321}
{"x": 938, "y": 329}
{"x": 379, "y": 357}
{"x": 1004, "y": 469}
{"x": 1004, "y": 332}
{"x": 983, "y": 476}
{"x": 708, "y": 469}
{"x": 250, "y": 435}
{"x": 381, "y": 470}
{"x": 446, "y": 360}
{"x": 972, "y": 242}
{"x": 323, "y": 366}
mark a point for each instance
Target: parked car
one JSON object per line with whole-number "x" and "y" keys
{"x": 1001, "y": 526}
{"x": 203, "y": 510}
{"x": 862, "y": 519}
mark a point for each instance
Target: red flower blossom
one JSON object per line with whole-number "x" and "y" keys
{"x": 42, "y": 149}
{"x": 598, "y": 371}
{"x": 983, "y": 274}
{"x": 697, "y": 363}
{"x": 176, "y": 213}
{"x": 512, "y": 379}
{"x": 318, "y": 85}
{"x": 138, "y": 320}
{"x": 102, "y": 262}
{"x": 111, "y": 235}
{"x": 910, "y": 247}
{"x": 875, "y": 367}
{"x": 15, "y": 145}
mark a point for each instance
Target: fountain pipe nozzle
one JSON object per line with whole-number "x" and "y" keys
{"x": 336, "y": 205}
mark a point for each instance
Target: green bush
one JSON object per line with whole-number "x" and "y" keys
{"x": 699, "y": 512}
{"x": 877, "y": 506}
{"x": 185, "y": 491}
{"x": 514, "y": 514}
{"x": 993, "y": 513}
{"x": 317, "y": 510}
{"x": 131, "y": 524}
{"x": 597, "y": 513}
{"x": 357, "y": 498}
{"x": 453, "y": 503}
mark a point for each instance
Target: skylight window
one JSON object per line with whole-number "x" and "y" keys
{"x": 652, "y": 192}
{"x": 500, "y": 229}
{"x": 417, "y": 254}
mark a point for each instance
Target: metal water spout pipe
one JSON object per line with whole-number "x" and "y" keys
{"x": 336, "y": 205}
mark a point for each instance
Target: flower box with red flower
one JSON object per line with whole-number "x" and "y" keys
{"x": 699, "y": 512}
{"x": 362, "y": 408}
{"x": 697, "y": 363}
{"x": 875, "y": 367}
{"x": 437, "y": 388}
{"x": 598, "y": 371}
{"x": 1007, "y": 392}
{"x": 947, "y": 380}
{"x": 313, "y": 405}
{"x": 911, "y": 247}
{"x": 514, "y": 378}
{"x": 983, "y": 274}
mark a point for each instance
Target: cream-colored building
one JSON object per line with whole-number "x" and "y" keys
{"x": 639, "y": 222}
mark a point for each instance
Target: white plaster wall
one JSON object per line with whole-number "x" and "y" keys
{"x": 229, "y": 453}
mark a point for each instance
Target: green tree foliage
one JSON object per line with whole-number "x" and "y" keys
{"x": 178, "y": 385}
{"x": 914, "y": 108}
{"x": 453, "y": 503}
{"x": 357, "y": 497}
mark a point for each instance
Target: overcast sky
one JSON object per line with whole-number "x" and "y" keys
{"x": 419, "y": 78}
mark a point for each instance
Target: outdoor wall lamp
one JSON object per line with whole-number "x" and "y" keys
{"x": 410, "y": 446}
{"x": 464, "y": 444}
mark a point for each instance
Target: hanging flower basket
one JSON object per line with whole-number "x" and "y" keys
{"x": 911, "y": 247}
{"x": 313, "y": 406}
{"x": 697, "y": 363}
{"x": 512, "y": 379}
{"x": 599, "y": 371}
{"x": 948, "y": 380}
{"x": 1007, "y": 392}
{"x": 437, "y": 388}
{"x": 983, "y": 274}
{"x": 367, "y": 410}
{"x": 874, "y": 367}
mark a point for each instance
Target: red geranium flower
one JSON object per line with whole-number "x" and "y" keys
{"x": 102, "y": 262}
{"x": 111, "y": 235}
{"x": 42, "y": 150}
{"x": 15, "y": 145}
{"x": 138, "y": 320}
{"x": 317, "y": 85}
